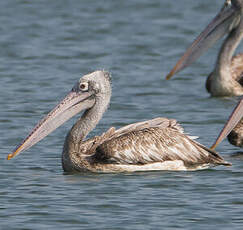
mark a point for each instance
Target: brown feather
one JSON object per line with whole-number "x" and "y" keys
{"x": 155, "y": 144}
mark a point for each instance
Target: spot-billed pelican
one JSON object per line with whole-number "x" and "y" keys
{"x": 157, "y": 144}
{"x": 227, "y": 76}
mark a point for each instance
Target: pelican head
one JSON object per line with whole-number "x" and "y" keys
{"x": 83, "y": 96}
{"x": 229, "y": 17}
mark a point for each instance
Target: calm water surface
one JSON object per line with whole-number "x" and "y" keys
{"x": 45, "y": 47}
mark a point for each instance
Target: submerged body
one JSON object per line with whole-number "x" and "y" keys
{"x": 227, "y": 76}
{"x": 157, "y": 144}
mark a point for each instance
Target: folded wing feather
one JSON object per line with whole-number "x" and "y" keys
{"x": 156, "y": 140}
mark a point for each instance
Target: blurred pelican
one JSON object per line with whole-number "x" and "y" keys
{"x": 227, "y": 76}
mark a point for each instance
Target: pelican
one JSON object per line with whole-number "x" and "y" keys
{"x": 157, "y": 144}
{"x": 227, "y": 76}
{"x": 233, "y": 127}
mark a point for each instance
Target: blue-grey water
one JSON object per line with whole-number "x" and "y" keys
{"x": 45, "y": 46}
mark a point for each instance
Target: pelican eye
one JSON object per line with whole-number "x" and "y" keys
{"x": 84, "y": 86}
{"x": 227, "y": 3}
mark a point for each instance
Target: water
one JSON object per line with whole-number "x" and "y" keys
{"x": 45, "y": 47}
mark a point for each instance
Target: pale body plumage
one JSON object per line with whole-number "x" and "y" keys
{"x": 157, "y": 144}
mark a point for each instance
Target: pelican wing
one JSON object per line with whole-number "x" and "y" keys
{"x": 89, "y": 146}
{"x": 160, "y": 122}
{"x": 164, "y": 141}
